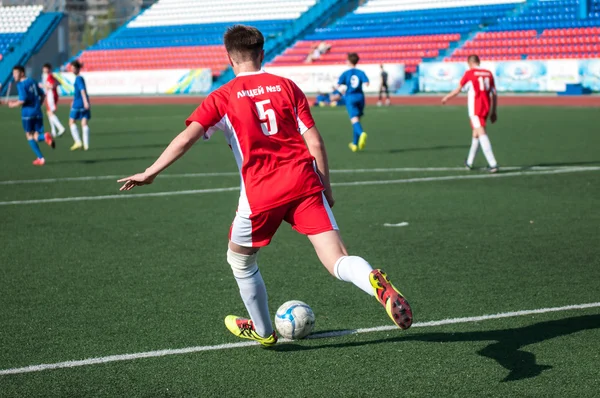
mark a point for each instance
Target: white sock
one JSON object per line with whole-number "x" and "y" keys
{"x": 473, "y": 151}
{"x": 55, "y": 122}
{"x": 86, "y": 136}
{"x": 254, "y": 295}
{"x": 356, "y": 270}
{"x": 75, "y": 133}
{"x": 52, "y": 128}
{"x": 486, "y": 146}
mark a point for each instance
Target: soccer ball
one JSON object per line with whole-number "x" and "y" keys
{"x": 294, "y": 320}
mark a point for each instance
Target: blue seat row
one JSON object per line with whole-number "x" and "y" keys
{"x": 421, "y": 19}
{"x": 179, "y": 35}
{"x": 548, "y": 25}
{"x": 396, "y": 31}
{"x": 413, "y": 22}
{"x": 448, "y": 12}
{"x": 8, "y": 40}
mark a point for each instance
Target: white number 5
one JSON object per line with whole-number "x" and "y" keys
{"x": 267, "y": 116}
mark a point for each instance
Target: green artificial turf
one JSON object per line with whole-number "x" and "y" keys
{"x": 82, "y": 279}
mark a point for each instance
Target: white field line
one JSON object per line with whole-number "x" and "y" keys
{"x": 235, "y": 173}
{"x": 188, "y": 350}
{"x": 337, "y": 184}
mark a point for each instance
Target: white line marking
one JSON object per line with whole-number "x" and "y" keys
{"x": 336, "y": 184}
{"x": 400, "y": 224}
{"x": 235, "y": 173}
{"x": 189, "y": 350}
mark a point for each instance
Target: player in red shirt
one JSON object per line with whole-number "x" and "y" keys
{"x": 284, "y": 173}
{"x": 482, "y": 101}
{"x": 50, "y": 85}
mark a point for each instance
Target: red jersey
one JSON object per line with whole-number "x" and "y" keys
{"x": 263, "y": 117}
{"x": 51, "y": 81}
{"x": 479, "y": 83}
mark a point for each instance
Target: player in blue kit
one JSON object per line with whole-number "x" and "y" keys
{"x": 80, "y": 110}
{"x": 354, "y": 79}
{"x": 31, "y": 98}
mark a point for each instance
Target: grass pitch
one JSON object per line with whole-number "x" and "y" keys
{"x": 92, "y": 275}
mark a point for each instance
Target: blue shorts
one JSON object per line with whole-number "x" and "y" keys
{"x": 33, "y": 124}
{"x": 355, "y": 106}
{"x": 80, "y": 113}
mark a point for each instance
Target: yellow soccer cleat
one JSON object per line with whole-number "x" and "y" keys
{"x": 352, "y": 147}
{"x": 244, "y": 328}
{"x": 76, "y": 146}
{"x": 362, "y": 141}
{"x": 394, "y": 302}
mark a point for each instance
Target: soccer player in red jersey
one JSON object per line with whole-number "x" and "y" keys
{"x": 284, "y": 173}
{"x": 50, "y": 85}
{"x": 482, "y": 102}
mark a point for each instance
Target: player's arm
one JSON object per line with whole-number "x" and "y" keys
{"x": 176, "y": 149}
{"x": 494, "y": 99}
{"x": 21, "y": 100}
{"x": 316, "y": 147}
{"x": 452, "y": 94}
{"x": 86, "y": 104}
{"x": 15, "y": 103}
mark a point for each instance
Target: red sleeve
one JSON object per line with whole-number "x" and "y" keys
{"x": 209, "y": 113}
{"x": 305, "y": 119}
{"x": 465, "y": 79}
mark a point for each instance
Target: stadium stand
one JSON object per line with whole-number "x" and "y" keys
{"x": 547, "y": 29}
{"x": 402, "y": 31}
{"x": 168, "y": 35}
{"x": 14, "y": 22}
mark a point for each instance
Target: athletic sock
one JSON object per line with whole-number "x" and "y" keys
{"x": 356, "y": 270}
{"x": 473, "y": 151}
{"x": 52, "y": 127}
{"x": 357, "y": 130}
{"x": 35, "y": 148}
{"x": 486, "y": 147}
{"x": 75, "y": 133}
{"x": 254, "y": 295}
{"x": 86, "y": 135}
{"x": 55, "y": 122}
{"x": 41, "y": 137}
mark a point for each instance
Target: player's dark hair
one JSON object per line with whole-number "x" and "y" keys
{"x": 20, "y": 68}
{"x": 474, "y": 58}
{"x": 244, "y": 43}
{"x": 76, "y": 64}
{"x": 47, "y": 65}
{"x": 353, "y": 58}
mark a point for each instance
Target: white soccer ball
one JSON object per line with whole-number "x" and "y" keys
{"x": 294, "y": 320}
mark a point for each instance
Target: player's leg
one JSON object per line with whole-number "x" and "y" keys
{"x": 55, "y": 125}
{"x": 73, "y": 117}
{"x": 381, "y": 89}
{"x": 247, "y": 235}
{"x": 40, "y": 135}
{"x": 30, "y": 134}
{"x": 52, "y": 126}
{"x": 362, "y": 136}
{"x": 474, "y": 143}
{"x": 486, "y": 145}
{"x": 313, "y": 217}
{"x": 387, "y": 95}
{"x": 85, "y": 129}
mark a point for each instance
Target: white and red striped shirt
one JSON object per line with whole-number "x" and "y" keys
{"x": 263, "y": 117}
{"x": 479, "y": 83}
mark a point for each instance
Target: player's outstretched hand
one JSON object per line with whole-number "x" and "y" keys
{"x": 136, "y": 181}
{"x": 444, "y": 100}
{"x": 493, "y": 117}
